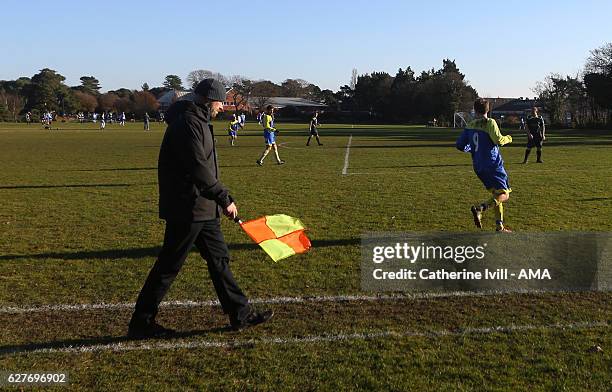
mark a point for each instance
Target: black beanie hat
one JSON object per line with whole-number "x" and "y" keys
{"x": 211, "y": 89}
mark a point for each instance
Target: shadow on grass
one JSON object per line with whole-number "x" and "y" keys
{"x": 251, "y": 165}
{"x": 90, "y": 344}
{"x": 134, "y": 253}
{"x": 582, "y": 142}
{"x": 596, "y": 199}
{"x": 153, "y": 251}
{"x": 70, "y": 186}
{"x": 406, "y": 135}
{"x": 416, "y": 166}
{"x": 386, "y": 132}
{"x": 111, "y": 169}
{"x": 133, "y": 169}
{"x": 420, "y": 145}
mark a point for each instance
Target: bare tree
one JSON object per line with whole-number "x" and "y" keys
{"x": 234, "y": 79}
{"x": 600, "y": 60}
{"x": 553, "y": 94}
{"x": 262, "y": 102}
{"x": 243, "y": 90}
{"x": 198, "y": 75}
{"x": 14, "y": 103}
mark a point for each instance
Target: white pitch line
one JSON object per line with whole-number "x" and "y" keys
{"x": 271, "y": 300}
{"x": 326, "y": 338}
{"x": 192, "y": 304}
{"x": 346, "y": 156}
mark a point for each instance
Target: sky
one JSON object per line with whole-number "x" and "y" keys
{"x": 503, "y": 48}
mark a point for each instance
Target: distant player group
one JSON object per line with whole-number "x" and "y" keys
{"x": 266, "y": 120}
{"x": 102, "y": 118}
{"x": 482, "y": 139}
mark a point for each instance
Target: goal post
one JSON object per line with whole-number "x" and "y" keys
{"x": 461, "y": 119}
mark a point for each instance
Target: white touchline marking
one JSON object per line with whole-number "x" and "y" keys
{"x": 326, "y": 338}
{"x": 271, "y": 300}
{"x": 346, "y": 156}
{"x": 188, "y": 303}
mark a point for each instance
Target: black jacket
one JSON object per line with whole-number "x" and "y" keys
{"x": 189, "y": 188}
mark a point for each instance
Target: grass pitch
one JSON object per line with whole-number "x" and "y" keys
{"x": 79, "y": 226}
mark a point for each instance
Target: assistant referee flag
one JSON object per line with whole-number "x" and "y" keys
{"x": 280, "y": 236}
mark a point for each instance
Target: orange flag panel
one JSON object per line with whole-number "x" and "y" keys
{"x": 258, "y": 230}
{"x": 296, "y": 240}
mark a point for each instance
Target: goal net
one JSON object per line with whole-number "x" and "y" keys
{"x": 461, "y": 119}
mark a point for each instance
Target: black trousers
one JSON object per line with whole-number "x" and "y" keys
{"x": 179, "y": 238}
{"x": 535, "y": 142}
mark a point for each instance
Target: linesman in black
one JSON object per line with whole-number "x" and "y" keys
{"x": 314, "y": 123}
{"x": 536, "y": 134}
{"x": 191, "y": 200}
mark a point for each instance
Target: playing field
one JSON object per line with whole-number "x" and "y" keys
{"x": 79, "y": 226}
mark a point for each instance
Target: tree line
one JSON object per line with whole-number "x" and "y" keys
{"x": 584, "y": 100}
{"x": 47, "y": 92}
{"x": 407, "y": 97}
{"x": 375, "y": 96}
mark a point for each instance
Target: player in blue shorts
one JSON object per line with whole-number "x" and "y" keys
{"x": 267, "y": 122}
{"x": 482, "y": 139}
{"x": 233, "y": 130}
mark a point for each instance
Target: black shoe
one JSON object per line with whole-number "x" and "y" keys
{"x": 259, "y": 163}
{"x": 320, "y": 144}
{"x": 281, "y": 162}
{"x": 138, "y": 330}
{"x": 539, "y": 161}
{"x": 477, "y": 214}
{"x": 254, "y": 318}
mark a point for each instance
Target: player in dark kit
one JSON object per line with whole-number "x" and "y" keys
{"x": 536, "y": 134}
{"x": 314, "y": 123}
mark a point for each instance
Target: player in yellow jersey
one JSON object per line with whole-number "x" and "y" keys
{"x": 267, "y": 122}
{"x": 233, "y": 130}
{"x": 482, "y": 138}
